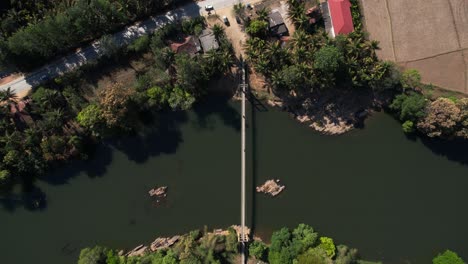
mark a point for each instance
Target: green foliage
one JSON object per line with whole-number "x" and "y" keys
{"x": 303, "y": 237}
{"x": 328, "y": 245}
{"x": 410, "y": 79}
{"x": 328, "y": 59}
{"x": 140, "y": 44}
{"x": 408, "y": 127}
{"x": 90, "y": 117}
{"x": 257, "y": 28}
{"x": 43, "y": 39}
{"x": 448, "y": 257}
{"x": 180, "y": 99}
{"x": 313, "y": 256}
{"x": 108, "y": 46}
{"x": 95, "y": 255}
{"x": 258, "y": 250}
{"x": 409, "y": 106}
{"x": 157, "y": 96}
{"x": 4, "y": 177}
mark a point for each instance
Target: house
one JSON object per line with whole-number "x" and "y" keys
{"x": 276, "y": 25}
{"x": 208, "y": 40}
{"x": 190, "y": 45}
{"x": 337, "y": 17}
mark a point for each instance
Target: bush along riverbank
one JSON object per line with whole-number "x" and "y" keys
{"x": 300, "y": 245}
{"x": 332, "y": 84}
{"x": 61, "y": 119}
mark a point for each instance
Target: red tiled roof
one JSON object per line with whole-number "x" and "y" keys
{"x": 340, "y": 12}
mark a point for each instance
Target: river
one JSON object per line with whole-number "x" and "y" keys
{"x": 396, "y": 199}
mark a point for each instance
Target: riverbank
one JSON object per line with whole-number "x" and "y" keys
{"x": 204, "y": 187}
{"x": 287, "y": 246}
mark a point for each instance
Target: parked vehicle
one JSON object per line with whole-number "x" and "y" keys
{"x": 249, "y": 6}
{"x": 238, "y": 20}
{"x": 209, "y": 7}
{"x": 225, "y": 20}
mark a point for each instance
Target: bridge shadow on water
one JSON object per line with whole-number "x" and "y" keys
{"x": 256, "y": 106}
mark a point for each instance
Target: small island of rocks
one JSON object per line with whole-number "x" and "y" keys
{"x": 271, "y": 187}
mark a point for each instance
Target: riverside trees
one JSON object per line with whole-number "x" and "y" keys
{"x": 301, "y": 245}
{"x": 46, "y": 29}
{"x": 51, "y": 124}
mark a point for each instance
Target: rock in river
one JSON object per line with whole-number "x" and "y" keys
{"x": 160, "y": 192}
{"x": 271, "y": 187}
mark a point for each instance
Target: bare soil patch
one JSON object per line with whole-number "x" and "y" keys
{"x": 422, "y": 28}
{"x": 378, "y": 24}
{"x": 460, "y": 14}
{"x": 444, "y": 70}
{"x": 428, "y": 35}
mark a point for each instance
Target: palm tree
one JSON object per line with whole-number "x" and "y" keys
{"x": 218, "y": 31}
{"x": 263, "y": 14}
{"x": 300, "y": 39}
{"x": 8, "y": 96}
{"x": 226, "y": 61}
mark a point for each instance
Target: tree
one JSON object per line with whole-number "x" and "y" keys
{"x": 257, "y": 28}
{"x": 328, "y": 59}
{"x": 258, "y": 250}
{"x": 4, "y": 177}
{"x": 189, "y": 73}
{"x": 157, "y": 96}
{"x": 463, "y": 127}
{"x": 303, "y": 238}
{"x": 96, "y": 255}
{"x": 108, "y": 46}
{"x": 448, "y": 257}
{"x": 410, "y": 79}
{"x": 90, "y": 117}
{"x": 8, "y": 96}
{"x": 114, "y": 104}
{"x": 313, "y": 256}
{"x": 409, "y": 106}
{"x": 408, "y": 127}
{"x": 180, "y": 99}
{"x": 328, "y": 245}
{"x": 441, "y": 120}
{"x": 280, "y": 239}
{"x": 218, "y": 31}
{"x": 140, "y": 44}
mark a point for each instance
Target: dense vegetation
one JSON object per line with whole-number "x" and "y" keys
{"x": 33, "y": 32}
{"x": 312, "y": 64}
{"x": 301, "y": 245}
{"x": 58, "y": 119}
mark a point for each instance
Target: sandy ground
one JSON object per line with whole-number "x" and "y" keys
{"x": 429, "y": 35}
{"x": 10, "y": 78}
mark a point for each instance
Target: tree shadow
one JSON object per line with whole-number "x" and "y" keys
{"x": 217, "y": 105}
{"x": 32, "y": 198}
{"x": 454, "y": 150}
{"x": 162, "y": 137}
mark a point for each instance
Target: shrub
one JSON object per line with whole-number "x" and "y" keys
{"x": 408, "y": 127}
{"x": 448, "y": 257}
{"x": 258, "y": 250}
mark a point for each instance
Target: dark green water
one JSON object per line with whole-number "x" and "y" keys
{"x": 395, "y": 199}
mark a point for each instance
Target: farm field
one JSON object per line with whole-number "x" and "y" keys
{"x": 427, "y": 35}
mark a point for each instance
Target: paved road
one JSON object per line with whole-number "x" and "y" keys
{"x": 93, "y": 51}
